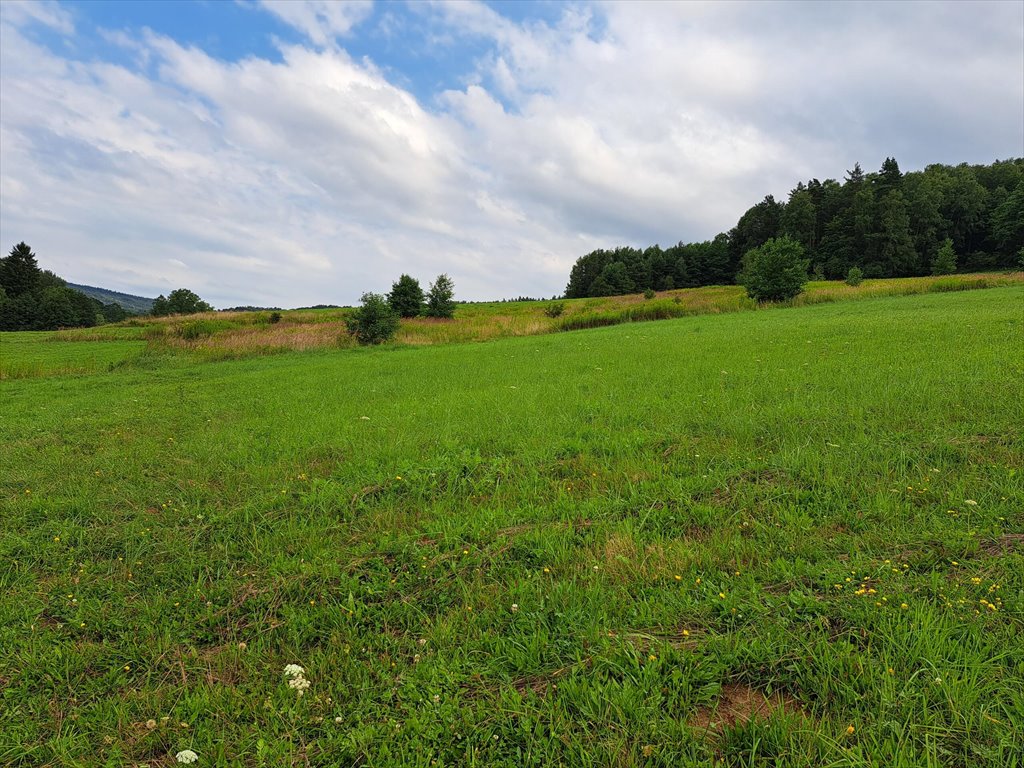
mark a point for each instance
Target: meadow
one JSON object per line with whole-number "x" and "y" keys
{"x": 148, "y": 341}
{"x": 749, "y": 538}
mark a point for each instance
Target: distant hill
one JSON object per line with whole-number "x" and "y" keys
{"x": 137, "y": 304}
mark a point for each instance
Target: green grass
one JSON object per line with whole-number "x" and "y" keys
{"x": 237, "y": 335}
{"x": 30, "y": 354}
{"x": 684, "y": 512}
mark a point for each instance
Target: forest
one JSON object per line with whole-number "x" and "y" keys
{"x": 886, "y": 224}
{"x": 34, "y": 299}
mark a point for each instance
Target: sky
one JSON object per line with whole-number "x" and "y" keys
{"x": 303, "y": 152}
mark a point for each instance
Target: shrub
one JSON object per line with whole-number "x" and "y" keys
{"x": 374, "y": 322}
{"x": 945, "y": 259}
{"x": 275, "y": 317}
{"x": 777, "y": 271}
{"x": 555, "y": 309}
{"x": 855, "y": 276}
{"x": 649, "y": 294}
{"x": 197, "y": 329}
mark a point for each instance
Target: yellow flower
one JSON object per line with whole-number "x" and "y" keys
{"x": 904, "y": 606}
{"x": 722, "y": 595}
{"x": 849, "y": 730}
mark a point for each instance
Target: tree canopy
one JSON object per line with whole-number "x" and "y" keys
{"x": 441, "y": 298}
{"x": 886, "y": 224}
{"x": 406, "y": 297}
{"x": 34, "y": 299}
{"x": 180, "y": 301}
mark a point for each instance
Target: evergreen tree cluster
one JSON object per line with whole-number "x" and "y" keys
{"x": 884, "y": 224}
{"x": 34, "y": 299}
{"x": 407, "y": 298}
{"x": 376, "y": 319}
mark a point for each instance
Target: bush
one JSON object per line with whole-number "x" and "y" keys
{"x": 777, "y": 271}
{"x": 197, "y": 329}
{"x": 945, "y": 259}
{"x": 649, "y": 294}
{"x": 374, "y": 322}
{"x": 855, "y": 276}
{"x": 555, "y": 309}
{"x": 275, "y": 317}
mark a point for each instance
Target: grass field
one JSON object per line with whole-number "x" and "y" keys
{"x": 781, "y": 538}
{"x": 32, "y": 353}
{"x": 239, "y": 335}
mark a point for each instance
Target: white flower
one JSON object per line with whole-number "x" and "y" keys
{"x": 971, "y": 502}
{"x": 339, "y": 720}
{"x": 294, "y": 670}
{"x": 186, "y": 756}
{"x": 515, "y": 607}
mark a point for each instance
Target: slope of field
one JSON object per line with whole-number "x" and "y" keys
{"x": 237, "y": 335}
{"x": 138, "y": 304}
{"x": 768, "y": 538}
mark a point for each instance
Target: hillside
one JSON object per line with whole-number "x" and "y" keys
{"x": 139, "y": 305}
{"x": 780, "y": 538}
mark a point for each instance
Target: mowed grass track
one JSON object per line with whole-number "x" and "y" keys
{"x": 602, "y": 548}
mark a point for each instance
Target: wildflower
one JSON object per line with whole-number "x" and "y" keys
{"x": 849, "y": 730}
{"x": 151, "y": 724}
{"x": 686, "y": 633}
{"x": 722, "y": 595}
{"x": 242, "y": 646}
{"x": 186, "y": 756}
{"x": 437, "y": 698}
{"x": 294, "y": 670}
{"x": 891, "y": 671}
{"x": 339, "y": 720}
{"x": 904, "y": 606}
{"x": 515, "y": 607}
{"x": 970, "y": 502}
{"x": 678, "y": 577}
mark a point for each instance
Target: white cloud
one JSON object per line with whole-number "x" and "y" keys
{"x": 315, "y": 177}
{"x": 45, "y": 12}
{"x": 322, "y": 21}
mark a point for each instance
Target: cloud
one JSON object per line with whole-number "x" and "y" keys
{"x": 45, "y": 12}
{"x": 314, "y": 177}
{"x": 322, "y": 21}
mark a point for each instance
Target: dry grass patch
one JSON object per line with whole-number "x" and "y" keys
{"x": 738, "y": 703}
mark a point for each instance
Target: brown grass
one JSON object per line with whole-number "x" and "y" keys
{"x": 738, "y": 704}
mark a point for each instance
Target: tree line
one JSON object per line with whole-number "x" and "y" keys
{"x": 884, "y": 224}
{"x": 34, "y": 299}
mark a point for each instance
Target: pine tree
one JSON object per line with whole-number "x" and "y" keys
{"x": 406, "y": 297}
{"x": 19, "y": 272}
